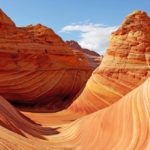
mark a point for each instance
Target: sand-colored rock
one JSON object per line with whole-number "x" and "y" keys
{"x": 124, "y": 125}
{"x": 37, "y": 66}
{"x": 125, "y": 65}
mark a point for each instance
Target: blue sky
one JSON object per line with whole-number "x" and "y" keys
{"x": 75, "y": 19}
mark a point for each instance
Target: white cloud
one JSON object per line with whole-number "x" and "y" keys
{"x": 92, "y": 36}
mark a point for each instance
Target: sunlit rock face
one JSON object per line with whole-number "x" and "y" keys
{"x": 125, "y": 65}
{"x": 37, "y": 66}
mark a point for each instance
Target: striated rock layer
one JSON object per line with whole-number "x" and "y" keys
{"x": 13, "y": 120}
{"x": 37, "y": 66}
{"x": 26, "y": 77}
{"x": 123, "y": 125}
{"x": 125, "y": 65}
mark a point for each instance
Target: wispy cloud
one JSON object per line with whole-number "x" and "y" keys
{"x": 92, "y": 36}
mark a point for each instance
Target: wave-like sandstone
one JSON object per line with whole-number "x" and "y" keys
{"x": 37, "y": 66}
{"x": 73, "y": 44}
{"x": 125, "y": 65}
{"x": 124, "y": 125}
{"x": 29, "y": 66}
{"x": 13, "y": 120}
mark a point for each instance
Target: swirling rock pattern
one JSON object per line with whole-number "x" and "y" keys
{"x": 125, "y": 65}
{"x": 37, "y": 66}
{"x": 123, "y": 125}
{"x": 13, "y": 120}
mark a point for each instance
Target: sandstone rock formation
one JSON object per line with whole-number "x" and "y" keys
{"x": 123, "y": 125}
{"x": 93, "y": 57}
{"x": 123, "y": 78}
{"x": 5, "y": 20}
{"x": 125, "y": 65}
{"x": 13, "y": 120}
{"x": 37, "y": 66}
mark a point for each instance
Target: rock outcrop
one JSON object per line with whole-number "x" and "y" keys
{"x": 93, "y": 57}
{"x": 37, "y": 66}
{"x": 5, "y": 21}
{"x": 125, "y": 65}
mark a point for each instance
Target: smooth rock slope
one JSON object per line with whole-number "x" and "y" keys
{"x": 124, "y": 125}
{"x": 13, "y": 120}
